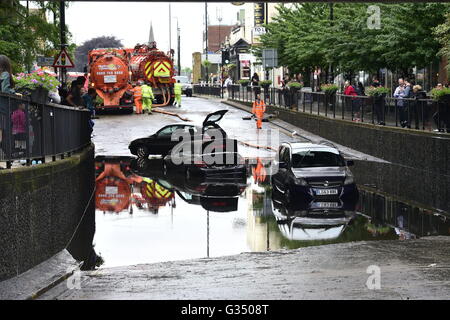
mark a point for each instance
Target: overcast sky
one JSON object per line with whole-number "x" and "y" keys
{"x": 130, "y": 22}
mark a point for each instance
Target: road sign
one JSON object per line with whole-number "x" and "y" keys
{"x": 45, "y": 61}
{"x": 63, "y": 60}
{"x": 270, "y": 58}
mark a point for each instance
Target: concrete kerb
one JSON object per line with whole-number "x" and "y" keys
{"x": 40, "y": 279}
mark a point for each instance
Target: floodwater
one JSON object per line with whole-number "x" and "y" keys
{"x": 144, "y": 216}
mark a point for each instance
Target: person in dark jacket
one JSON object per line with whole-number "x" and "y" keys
{"x": 417, "y": 107}
{"x": 255, "y": 84}
{"x": 6, "y": 86}
{"x": 378, "y": 102}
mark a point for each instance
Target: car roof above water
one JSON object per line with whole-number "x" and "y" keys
{"x": 300, "y": 146}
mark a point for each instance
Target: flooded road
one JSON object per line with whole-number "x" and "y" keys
{"x": 144, "y": 216}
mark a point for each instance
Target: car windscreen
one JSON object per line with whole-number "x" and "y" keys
{"x": 182, "y": 79}
{"x": 309, "y": 159}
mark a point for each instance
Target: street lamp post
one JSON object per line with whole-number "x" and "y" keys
{"x": 62, "y": 26}
{"x": 179, "y": 55}
{"x": 206, "y": 39}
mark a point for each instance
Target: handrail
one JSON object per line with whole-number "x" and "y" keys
{"x": 33, "y": 131}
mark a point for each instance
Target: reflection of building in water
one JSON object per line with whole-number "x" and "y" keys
{"x": 259, "y": 235}
{"x": 408, "y": 220}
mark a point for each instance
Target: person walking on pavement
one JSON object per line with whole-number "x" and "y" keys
{"x": 147, "y": 98}
{"x": 177, "y": 90}
{"x": 137, "y": 95}
{"x": 259, "y": 107}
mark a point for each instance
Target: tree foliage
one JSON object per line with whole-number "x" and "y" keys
{"x": 27, "y": 34}
{"x": 442, "y": 35}
{"x": 81, "y": 52}
{"x": 309, "y": 35}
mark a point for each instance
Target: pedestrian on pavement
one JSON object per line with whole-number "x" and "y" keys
{"x": 6, "y": 86}
{"x": 177, "y": 89}
{"x": 401, "y": 92}
{"x": 89, "y": 103}
{"x": 378, "y": 102}
{"x": 349, "y": 90}
{"x": 442, "y": 114}
{"x": 137, "y": 95}
{"x": 18, "y": 119}
{"x": 147, "y": 98}
{"x": 74, "y": 97}
{"x": 255, "y": 84}
{"x": 417, "y": 107}
{"x": 259, "y": 107}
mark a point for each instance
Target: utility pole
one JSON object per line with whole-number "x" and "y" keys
{"x": 206, "y": 39}
{"x": 62, "y": 26}
{"x": 179, "y": 55}
{"x": 170, "y": 28}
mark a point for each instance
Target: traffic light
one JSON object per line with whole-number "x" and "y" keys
{"x": 225, "y": 57}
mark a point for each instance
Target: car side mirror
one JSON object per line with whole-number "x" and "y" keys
{"x": 350, "y": 163}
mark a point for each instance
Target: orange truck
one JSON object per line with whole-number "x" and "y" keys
{"x": 110, "y": 75}
{"x": 149, "y": 64}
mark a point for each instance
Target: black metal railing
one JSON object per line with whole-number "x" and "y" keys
{"x": 421, "y": 114}
{"x": 208, "y": 90}
{"x": 30, "y": 131}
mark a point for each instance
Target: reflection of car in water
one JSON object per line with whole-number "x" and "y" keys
{"x": 160, "y": 143}
{"x": 311, "y": 221}
{"x": 313, "y": 171}
{"x": 213, "y": 193}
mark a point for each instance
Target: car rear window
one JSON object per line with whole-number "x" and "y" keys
{"x": 308, "y": 159}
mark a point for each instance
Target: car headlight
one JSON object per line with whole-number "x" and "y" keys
{"x": 300, "y": 182}
{"x": 349, "y": 179}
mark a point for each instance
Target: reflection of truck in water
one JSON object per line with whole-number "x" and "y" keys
{"x": 109, "y": 74}
{"x": 117, "y": 188}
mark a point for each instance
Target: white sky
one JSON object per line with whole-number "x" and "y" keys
{"x": 130, "y": 22}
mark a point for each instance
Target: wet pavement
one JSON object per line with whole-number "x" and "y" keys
{"x": 146, "y": 216}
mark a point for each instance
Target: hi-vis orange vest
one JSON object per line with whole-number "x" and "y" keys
{"x": 137, "y": 92}
{"x": 259, "y": 107}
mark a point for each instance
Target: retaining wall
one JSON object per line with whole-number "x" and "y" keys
{"x": 40, "y": 208}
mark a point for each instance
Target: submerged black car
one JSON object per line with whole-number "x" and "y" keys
{"x": 313, "y": 172}
{"x": 160, "y": 143}
{"x": 212, "y": 159}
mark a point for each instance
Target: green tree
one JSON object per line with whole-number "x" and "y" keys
{"x": 24, "y": 34}
{"x": 442, "y": 35}
{"x": 406, "y": 37}
{"x": 81, "y": 52}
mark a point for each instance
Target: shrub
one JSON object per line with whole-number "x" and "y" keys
{"x": 265, "y": 83}
{"x": 244, "y": 82}
{"x": 329, "y": 88}
{"x": 295, "y": 85}
{"x": 376, "y": 91}
{"x": 437, "y": 94}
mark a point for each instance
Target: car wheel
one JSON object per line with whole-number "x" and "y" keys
{"x": 142, "y": 152}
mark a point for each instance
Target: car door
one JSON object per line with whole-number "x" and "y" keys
{"x": 163, "y": 139}
{"x": 280, "y": 177}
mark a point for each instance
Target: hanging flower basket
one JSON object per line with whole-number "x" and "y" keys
{"x": 36, "y": 85}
